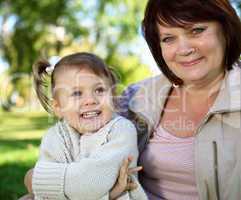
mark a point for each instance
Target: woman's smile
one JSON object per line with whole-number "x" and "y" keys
{"x": 194, "y": 56}
{"x": 191, "y": 63}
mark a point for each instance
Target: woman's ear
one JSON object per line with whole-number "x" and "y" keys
{"x": 56, "y": 108}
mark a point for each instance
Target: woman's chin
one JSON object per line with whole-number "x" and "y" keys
{"x": 197, "y": 77}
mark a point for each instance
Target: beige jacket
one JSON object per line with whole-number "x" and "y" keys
{"x": 218, "y": 139}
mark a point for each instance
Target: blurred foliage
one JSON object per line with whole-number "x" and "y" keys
{"x": 238, "y": 4}
{"x": 20, "y": 135}
{"x": 103, "y": 26}
{"x": 46, "y": 28}
{"x": 33, "y": 29}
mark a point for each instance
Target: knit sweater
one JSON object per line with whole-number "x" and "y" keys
{"x": 74, "y": 166}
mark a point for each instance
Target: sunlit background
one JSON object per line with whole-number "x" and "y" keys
{"x": 31, "y": 29}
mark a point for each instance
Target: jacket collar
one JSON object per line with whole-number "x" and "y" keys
{"x": 149, "y": 100}
{"x": 229, "y": 97}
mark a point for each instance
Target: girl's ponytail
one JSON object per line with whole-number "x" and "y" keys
{"x": 41, "y": 83}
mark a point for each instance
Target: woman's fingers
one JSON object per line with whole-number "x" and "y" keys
{"x": 27, "y": 197}
{"x": 134, "y": 170}
{"x": 125, "y": 180}
{"x": 131, "y": 184}
{"x": 28, "y": 180}
{"x": 130, "y": 158}
{"x": 124, "y": 171}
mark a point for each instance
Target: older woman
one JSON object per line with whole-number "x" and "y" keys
{"x": 189, "y": 117}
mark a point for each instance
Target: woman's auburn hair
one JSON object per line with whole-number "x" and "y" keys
{"x": 179, "y": 13}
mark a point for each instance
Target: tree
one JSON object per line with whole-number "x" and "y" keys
{"x": 113, "y": 25}
{"x": 32, "y": 30}
{"x": 106, "y": 27}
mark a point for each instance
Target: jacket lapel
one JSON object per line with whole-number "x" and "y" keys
{"x": 149, "y": 100}
{"x": 229, "y": 97}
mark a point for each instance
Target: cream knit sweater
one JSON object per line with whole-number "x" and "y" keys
{"x": 84, "y": 167}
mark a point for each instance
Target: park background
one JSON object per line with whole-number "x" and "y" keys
{"x": 31, "y": 29}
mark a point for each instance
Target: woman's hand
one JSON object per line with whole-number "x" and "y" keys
{"x": 28, "y": 180}
{"x": 27, "y": 197}
{"x": 124, "y": 182}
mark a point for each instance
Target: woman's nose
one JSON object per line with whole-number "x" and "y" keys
{"x": 185, "y": 48}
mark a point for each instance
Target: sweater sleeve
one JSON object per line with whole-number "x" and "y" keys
{"x": 49, "y": 171}
{"x": 93, "y": 177}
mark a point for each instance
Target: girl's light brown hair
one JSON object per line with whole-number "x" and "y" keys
{"x": 179, "y": 13}
{"x": 82, "y": 60}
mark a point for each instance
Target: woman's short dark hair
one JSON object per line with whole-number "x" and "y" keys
{"x": 180, "y": 13}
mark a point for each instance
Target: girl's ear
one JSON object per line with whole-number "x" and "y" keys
{"x": 56, "y": 108}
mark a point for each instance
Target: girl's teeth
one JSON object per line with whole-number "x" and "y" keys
{"x": 90, "y": 114}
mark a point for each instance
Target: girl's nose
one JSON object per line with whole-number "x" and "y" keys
{"x": 89, "y": 100}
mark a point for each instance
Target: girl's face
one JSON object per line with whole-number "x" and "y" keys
{"x": 83, "y": 99}
{"x": 196, "y": 53}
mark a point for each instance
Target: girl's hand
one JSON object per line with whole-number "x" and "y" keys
{"x": 28, "y": 180}
{"x": 124, "y": 182}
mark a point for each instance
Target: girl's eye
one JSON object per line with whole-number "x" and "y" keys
{"x": 198, "y": 30}
{"x": 76, "y": 93}
{"x": 100, "y": 90}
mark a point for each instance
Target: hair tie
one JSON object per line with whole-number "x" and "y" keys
{"x": 175, "y": 85}
{"x": 52, "y": 61}
{"x": 49, "y": 69}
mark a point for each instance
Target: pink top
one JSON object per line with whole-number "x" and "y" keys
{"x": 168, "y": 163}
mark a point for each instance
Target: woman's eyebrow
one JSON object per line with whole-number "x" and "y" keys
{"x": 165, "y": 34}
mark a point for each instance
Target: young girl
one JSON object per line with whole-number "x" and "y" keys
{"x": 81, "y": 155}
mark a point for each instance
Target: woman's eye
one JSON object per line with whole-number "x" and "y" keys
{"x": 100, "y": 90}
{"x": 167, "y": 39}
{"x": 76, "y": 93}
{"x": 198, "y": 30}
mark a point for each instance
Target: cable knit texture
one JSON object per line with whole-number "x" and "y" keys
{"x": 74, "y": 166}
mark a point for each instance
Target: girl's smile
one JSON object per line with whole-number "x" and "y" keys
{"x": 84, "y": 99}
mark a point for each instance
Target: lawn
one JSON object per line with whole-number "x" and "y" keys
{"x": 20, "y": 135}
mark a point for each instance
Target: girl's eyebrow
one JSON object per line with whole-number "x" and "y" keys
{"x": 99, "y": 83}
{"x": 80, "y": 87}
{"x": 76, "y": 87}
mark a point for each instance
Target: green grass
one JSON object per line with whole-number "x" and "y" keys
{"x": 20, "y": 135}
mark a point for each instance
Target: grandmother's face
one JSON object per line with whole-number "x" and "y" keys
{"x": 194, "y": 53}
